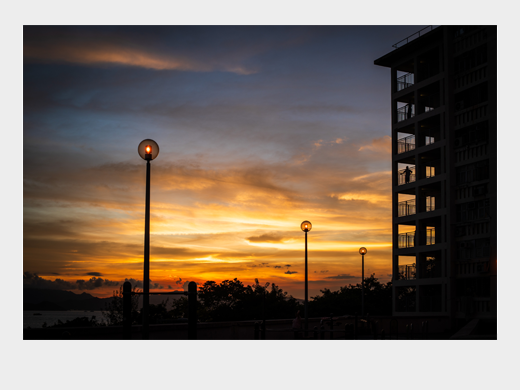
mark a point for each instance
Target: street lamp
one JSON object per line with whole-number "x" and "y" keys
{"x": 148, "y": 150}
{"x": 362, "y": 252}
{"x": 306, "y": 227}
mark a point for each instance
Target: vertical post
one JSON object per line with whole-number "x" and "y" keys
{"x": 146, "y": 274}
{"x": 355, "y": 328}
{"x": 263, "y": 316}
{"x": 362, "y": 285}
{"x": 192, "y": 311}
{"x": 331, "y": 326}
{"x": 306, "y": 290}
{"x": 127, "y": 310}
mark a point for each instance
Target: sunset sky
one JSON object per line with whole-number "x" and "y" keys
{"x": 259, "y": 128}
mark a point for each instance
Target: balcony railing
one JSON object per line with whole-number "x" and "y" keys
{"x": 406, "y": 240}
{"x": 412, "y": 37}
{"x": 404, "y": 81}
{"x": 405, "y": 112}
{"x": 406, "y": 208}
{"x": 407, "y": 272}
{"x": 406, "y": 144}
{"x": 405, "y": 177}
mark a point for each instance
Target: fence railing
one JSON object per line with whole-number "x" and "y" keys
{"x": 406, "y": 208}
{"x": 407, "y": 272}
{"x": 415, "y": 35}
{"x": 405, "y": 81}
{"x": 406, "y": 240}
{"x": 405, "y": 112}
{"x": 405, "y": 177}
{"x": 406, "y": 144}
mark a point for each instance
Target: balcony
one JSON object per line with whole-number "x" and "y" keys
{"x": 406, "y": 144}
{"x": 406, "y": 176}
{"x": 406, "y": 240}
{"x": 406, "y": 208}
{"x": 405, "y": 81}
{"x": 407, "y": 272}
{"x": 405, "y": 112}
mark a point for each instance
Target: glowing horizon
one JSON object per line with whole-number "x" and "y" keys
{"x": 259, "y": 129}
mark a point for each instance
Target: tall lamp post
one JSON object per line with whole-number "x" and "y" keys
{"x": 306, "y": 227}
{"x": 148, "y": 150}
{"x": 362, "y": 251}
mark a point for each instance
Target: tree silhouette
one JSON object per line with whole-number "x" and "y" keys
{"x": 232, "y": 301}
{"x": 347, "y": 300}
{"x": 113, "y": 312}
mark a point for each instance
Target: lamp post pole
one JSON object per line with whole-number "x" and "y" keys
{"x": 306, "y": 226}
{"x": 362, "y": 284}
{"x": 148, "y": 150}
{"x": 146, "y": 274}
{"x": 306, "y": 289}
{"x": 362, "y": 251}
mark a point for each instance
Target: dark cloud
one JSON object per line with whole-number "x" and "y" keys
{"x": 265, "y": 238}
{"x": 277, "y": 266}
{"x": 139, "y": 284}
{"x": 34, "y": 281}
{"x": 290, "y": 272}
{"x": 94, "y": 273}
{"x": 94, "y": 283}
{"x": 342, "y": 277}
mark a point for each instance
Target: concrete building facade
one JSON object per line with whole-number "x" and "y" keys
{"x": 444, "y": 172}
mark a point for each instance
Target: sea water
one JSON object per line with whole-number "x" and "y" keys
{"x": 52, "y": 317}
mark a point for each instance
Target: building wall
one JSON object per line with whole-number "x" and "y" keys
{"x": 443, "y": 102}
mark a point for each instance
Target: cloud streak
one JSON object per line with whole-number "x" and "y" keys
{"x": 259, "y": 128}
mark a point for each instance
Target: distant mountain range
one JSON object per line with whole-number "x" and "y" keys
{"x": 42, "y": 299}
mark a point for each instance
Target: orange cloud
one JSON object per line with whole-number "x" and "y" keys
{"x": 379, "y": 145}
{"x": 95, "y": 53}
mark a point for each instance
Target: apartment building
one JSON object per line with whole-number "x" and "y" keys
{"x": 444, "y": 172}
